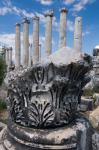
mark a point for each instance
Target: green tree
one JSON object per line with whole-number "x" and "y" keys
{"x": 2, "y": 70}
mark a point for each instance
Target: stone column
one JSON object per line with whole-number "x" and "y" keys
{"x": 78, "y": 34}
{"x": 30, "y": 55}
{"x": 4, "y": 53}
{"x": 26, "y": 23}
{"x": 35, "y": 39}
{"x": 62, "y": 29}
{"x": 10, "y": 56}
{"x": 17, "y": 46}
{"x": 48, "y": 33}
{"x": 40, "y": 52}
{"x": 7, "y": 56}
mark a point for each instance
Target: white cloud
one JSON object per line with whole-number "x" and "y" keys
{"x": 55, "y": 23}
{"x": 4, "y": 10}
{"x": 7, "y": 2}
{"x": 17, "y": 11}
{"x": 41, "y": 16}
{"x": 68, "y": 2}
{"x": 22, "y": 12}
{"x": 85, "y": 33}
{"x": 70, "y": 25}
{"x": 81, "y": 5}
{"x": 9, "y": 8}
{"x": 45, "y": 2}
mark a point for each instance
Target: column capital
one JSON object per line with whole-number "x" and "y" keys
{"x": 7, "y": 49}
{"x": 10, "y": 48}
{"x": 50, "y": 13}
{"x": 26, "y": 20}
{"x": 78, "y": 18}
{"x": 17, "y": 24}
{"x": 36, "y": 18}
{"x": 64, "y": 10}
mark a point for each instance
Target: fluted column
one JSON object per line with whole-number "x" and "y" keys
{"x": 35, "y": 39}
{"x": 62, "y": 29}
{"x": 17, "y": 46}
{"x": 10, "y": 56}
{"x": 48, "y": 33}
{"x": 78, "y": 34}
{"x": 26, "y": 23}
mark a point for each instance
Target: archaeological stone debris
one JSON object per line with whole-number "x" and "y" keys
{"x": 44, "y": 94}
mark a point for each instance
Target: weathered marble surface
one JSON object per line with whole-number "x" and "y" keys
{"x": 48, "y": 33}
{"x": 96, "y": 97}
{"x": 87, "y": 104}
{"x": 42, "y": 103}
{"x": 78, "y": 34}
{"x": 46, "y": 96}
{"x": 76, "y": 136}
{"x": 94, "y": 118}
{"x": 17, "y": 46}
{"x": 95, "y": 141}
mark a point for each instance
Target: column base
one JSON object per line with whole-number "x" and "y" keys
{"x": 76, "y": 136}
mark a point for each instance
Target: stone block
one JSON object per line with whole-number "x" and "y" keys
{"x": 87, "y": 104}
{"x": 94, "y": 118}
{"x": 76, "y": 136}
{"x": 96, "y": 97}
{"x": 95, "y": 141}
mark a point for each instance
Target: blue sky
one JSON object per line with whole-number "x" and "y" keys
{"x": 12, "y": 11}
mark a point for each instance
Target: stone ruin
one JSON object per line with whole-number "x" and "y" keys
{"x": 95, "y": 59}
{"x": 43, "y": 99}
{"x": 42, "y": 103}
{"x": 27, "y": 60}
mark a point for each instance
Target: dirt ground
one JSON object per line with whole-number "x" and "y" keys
{"x": 4, "y": 116}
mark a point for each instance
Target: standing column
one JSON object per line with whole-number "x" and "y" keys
{"x": 4, "y": 53}
{"x": 26, "y": 23}
{"x": 7, "y": 56}
{"x": 30, "y": 55}
{"x": 40, "y": 52}
{"x": 10, "y": 56}
{"x": 48, "y": 33}
{"x": 62, "y": 29}
{"x": 35, "y": 39}
{"x": 78, "y": 34}
{"x": 17, "y": 46}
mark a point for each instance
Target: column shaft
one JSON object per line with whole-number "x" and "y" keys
{"x": 10, "y": 56}
{"x": 78, "y": 34}
{"x": 17, "y": 46}
{"x": 48, "y": 33}
{"x": 25, "y": 42}
{"x": 35, "y": 39}
{"x": 30, "y": 55}
{"x": 7, "y": 56}
{"x": 62, "y": 29}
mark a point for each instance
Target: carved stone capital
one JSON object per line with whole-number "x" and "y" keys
{"x": 47, "y": 96}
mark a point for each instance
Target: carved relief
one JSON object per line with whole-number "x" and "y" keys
{"x": 47, "y": 96}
